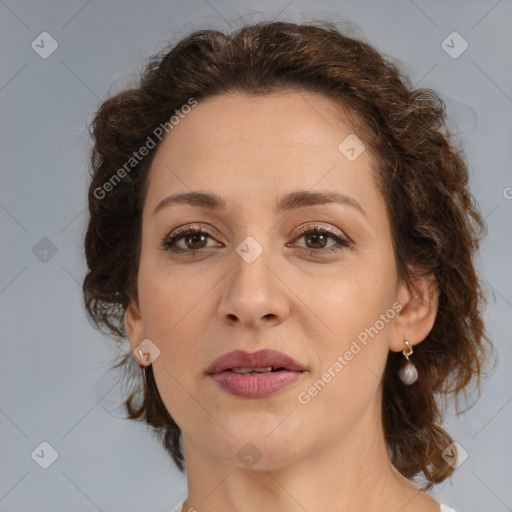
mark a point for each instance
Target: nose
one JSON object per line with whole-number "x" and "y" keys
{"x": 254, "y": 296}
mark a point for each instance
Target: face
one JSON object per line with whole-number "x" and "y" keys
{"x": 314, "y": 280}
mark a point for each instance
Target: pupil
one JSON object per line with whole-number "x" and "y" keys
{"x": 317, "y": 236}
{"x": 191, "y": 238}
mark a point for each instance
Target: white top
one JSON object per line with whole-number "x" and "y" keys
{"x": 444, "y": 508}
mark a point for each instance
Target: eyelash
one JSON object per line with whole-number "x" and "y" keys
{"x": 169, "y": 241}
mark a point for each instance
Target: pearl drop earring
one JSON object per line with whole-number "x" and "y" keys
{"x": 408, "y": 374}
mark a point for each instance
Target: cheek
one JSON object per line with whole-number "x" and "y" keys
{"x": 345, "y": 382}
{"x": 355, "y": 297}
{"x": 175, "y": 313}
{"x": 172, "y": 302}
{"x": 358, "y": 308}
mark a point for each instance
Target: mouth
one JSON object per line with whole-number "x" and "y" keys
{"x": 255, "y": 371}
{"x": 251, "y": 363}
{"x": 255, "y": 375}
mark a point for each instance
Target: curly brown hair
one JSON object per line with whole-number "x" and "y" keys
{"x": 422, "y": 175}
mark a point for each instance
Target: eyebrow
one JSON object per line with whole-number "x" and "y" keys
{"x": 291, "y": 201}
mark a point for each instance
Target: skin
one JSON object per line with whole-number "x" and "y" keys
{"x": 329, "y": 454}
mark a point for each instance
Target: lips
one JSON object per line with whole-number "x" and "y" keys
{"x": 255, "y": 374}
{"x": 245, "y": 362}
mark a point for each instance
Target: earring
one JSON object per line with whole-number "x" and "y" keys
{"x": 144, "y": 377}
{"x": 143, "y": 369}
{"x": 408, "y": 374}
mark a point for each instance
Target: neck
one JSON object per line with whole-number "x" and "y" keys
{"x": 350, "y": 473}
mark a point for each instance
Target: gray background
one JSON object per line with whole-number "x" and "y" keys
{"x": 54, "y": 379}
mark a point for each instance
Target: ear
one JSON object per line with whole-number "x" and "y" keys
{"x": 416, "y": 318}
{"x": 134, "y": 326}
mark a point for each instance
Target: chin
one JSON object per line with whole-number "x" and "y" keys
{"x": 263, "y": 426}
{"x": 261, "y": 450}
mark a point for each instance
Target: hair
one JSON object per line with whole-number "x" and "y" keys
{"x": 420, "y": 171}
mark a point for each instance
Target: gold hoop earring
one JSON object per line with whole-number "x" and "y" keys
{"x": 408, "y": 374}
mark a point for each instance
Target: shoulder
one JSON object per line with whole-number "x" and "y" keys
{"x": 180, "y": 507}
{"x": 444, "y": 508}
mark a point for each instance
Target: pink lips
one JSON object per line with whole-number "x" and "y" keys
{"x": 285, "y": 371}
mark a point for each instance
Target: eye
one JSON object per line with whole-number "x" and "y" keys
{"x": 195, "y": 238}
{"x": 317, "y": 237}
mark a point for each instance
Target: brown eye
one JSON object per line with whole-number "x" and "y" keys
{"x": 194, "y": 239}
{"x": 317, "y": 238}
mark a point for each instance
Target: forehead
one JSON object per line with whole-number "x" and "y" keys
{"x": 285, "y": 140}
{"x": 291, "y": 117}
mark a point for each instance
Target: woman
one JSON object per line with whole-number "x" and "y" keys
{"x": 283, "y": 230}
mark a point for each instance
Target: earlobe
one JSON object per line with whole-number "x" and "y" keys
{"x": 416, "y": 318}
{"x": 133, "y": 324}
